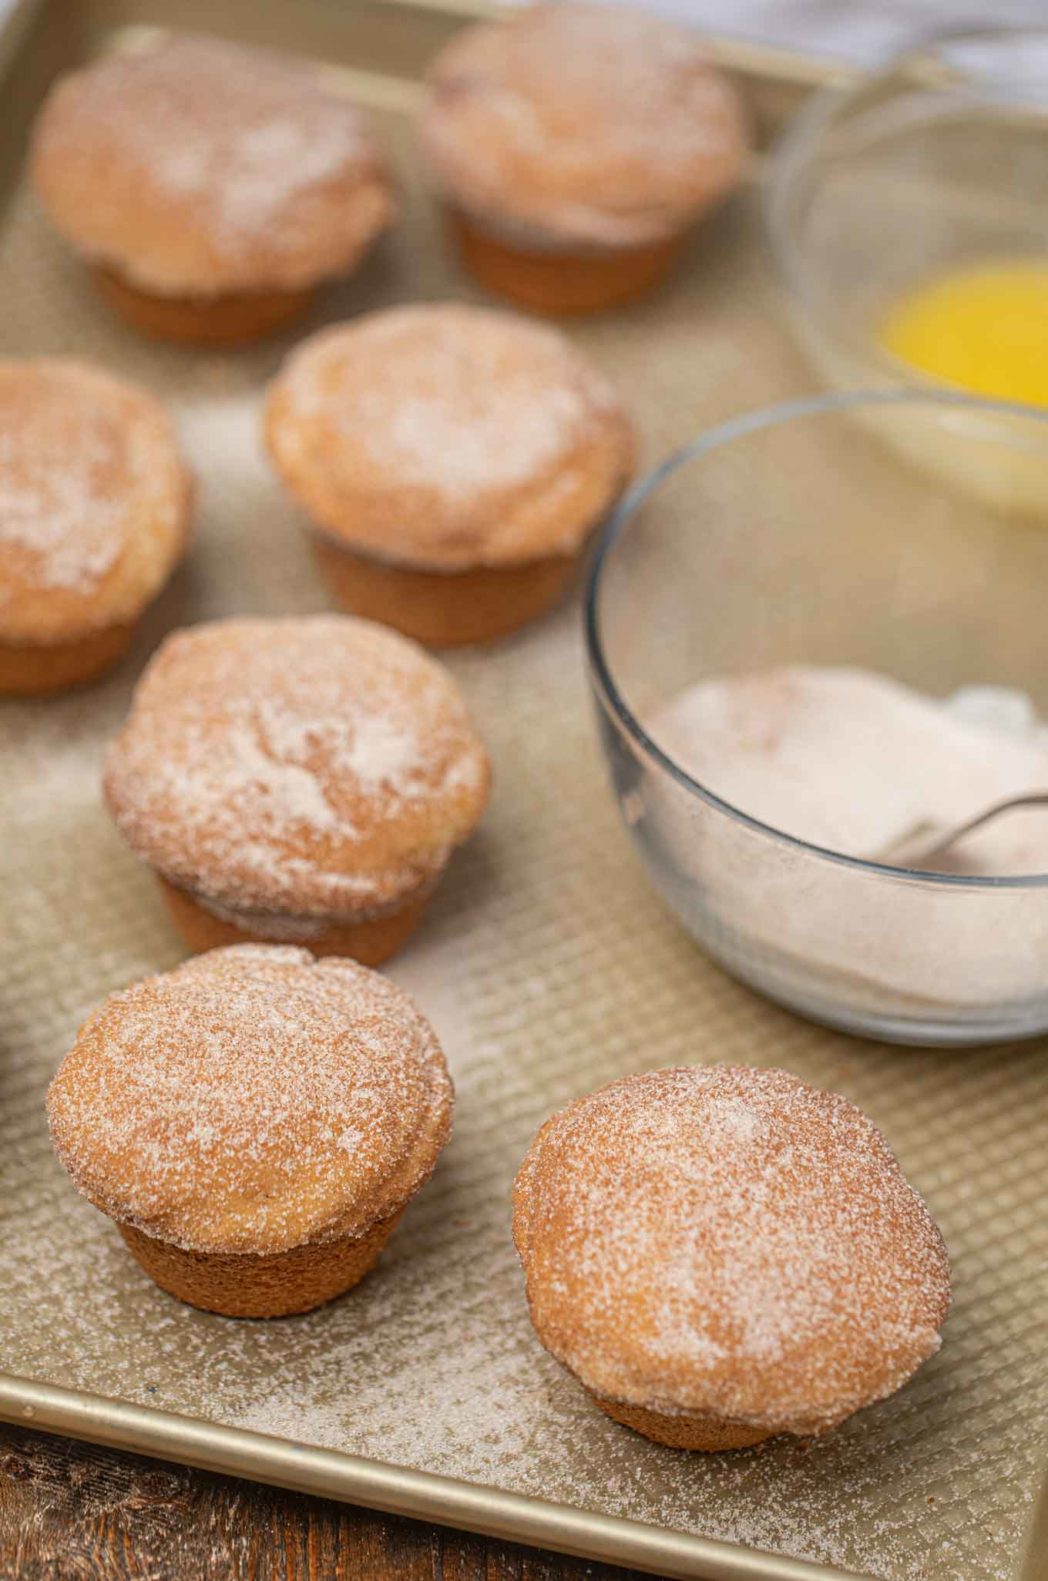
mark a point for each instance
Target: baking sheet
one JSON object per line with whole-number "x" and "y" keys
{"x": 547, "y": 966}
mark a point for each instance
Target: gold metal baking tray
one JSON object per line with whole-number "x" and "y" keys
{"x": 547, "y": 966}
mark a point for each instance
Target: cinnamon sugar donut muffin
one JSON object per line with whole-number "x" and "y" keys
{"x": 721, "y": 1254}
{"x": 296, "y": 779}
{"x": 575, "y": 145}
{"x": 255, "y": 1123}
{"x": 94, "y": 516}
{"x": 453, "y": 461}
{"x": 209, "y": 186}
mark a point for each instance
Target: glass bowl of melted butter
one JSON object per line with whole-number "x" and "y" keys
{"x": 908, "y": 216}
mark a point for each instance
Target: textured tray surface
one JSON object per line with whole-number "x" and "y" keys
{"x": 548, "y": 968}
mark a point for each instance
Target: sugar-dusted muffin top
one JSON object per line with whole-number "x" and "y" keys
{"x": 253, "y": 1100}
{"x": 446, "y": 436}
{"x": 322, "y": 766}
{"x": 200, "y": 167}
{"x": 591, "y": 124}
{"x": 728, "y": 1241}
{"x": 94, "y": 500}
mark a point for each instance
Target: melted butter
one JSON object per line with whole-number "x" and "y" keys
{"x": 984, "y": 330}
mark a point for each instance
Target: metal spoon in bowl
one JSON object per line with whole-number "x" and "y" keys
{"x": 927, "y": 839}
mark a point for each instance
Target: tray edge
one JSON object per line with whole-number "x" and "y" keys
{"x": 380, "y": 1485}
{"x": 394, "y": 1490}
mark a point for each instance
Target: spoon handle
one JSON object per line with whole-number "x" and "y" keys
{"x": 925, "y": 839}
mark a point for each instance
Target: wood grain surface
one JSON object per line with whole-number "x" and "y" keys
{"x": 74, "y": 1512}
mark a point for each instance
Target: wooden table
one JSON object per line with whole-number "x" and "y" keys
{"x": 73, "y": 1512}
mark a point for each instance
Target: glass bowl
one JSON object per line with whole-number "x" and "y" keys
{"x": 794, "y": 535}
{"x": 935, "y": 163}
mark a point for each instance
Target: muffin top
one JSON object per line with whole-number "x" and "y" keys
{"x": 728, "y": 1241}
{"x": 199, "y": 167}
{"x": 94, "y": 500}
{"x": 590, "y": 124}
{"x": 253, "y": 1100}
{"x": 321, "y": 766}
{"x": 447, "y": 436}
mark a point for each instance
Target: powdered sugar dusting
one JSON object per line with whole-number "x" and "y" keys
{"x": 381, "y": 753}
{"x": 592, "y": 61}
{"x": 236, "y": 128}
{"x": 728, "y": 1241}
{"x": 252, "y": 1100}
{"x": 250, "y": 169}
{"x": 52, "y": 506}
{"x": 430, "y": 436}
{"x": 455, "y": 400}
{"x": 590, "y": 122}
{"x": 78, "y": 462}
{"x": 316, "y": 766}
{"x": 206, "y": 158}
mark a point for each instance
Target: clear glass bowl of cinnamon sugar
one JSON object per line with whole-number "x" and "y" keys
{"x": 803, "y": 642}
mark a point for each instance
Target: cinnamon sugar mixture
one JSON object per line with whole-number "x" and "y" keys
{"x": 851, "y": 760}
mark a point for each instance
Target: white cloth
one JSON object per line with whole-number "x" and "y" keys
{"x": 861, "y": 30}
{"x": 857, "y": 30}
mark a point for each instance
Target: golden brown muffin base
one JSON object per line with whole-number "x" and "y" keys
{"x": 709, "y": 1433}
{"x": 562, "y": 284}
{"x": 241, "y": 1284}
{"x": 34, "y": 670}
{"x": 443, "y": 609}
{"x": 371, "y": 940}
{"x": 227, "y": 320}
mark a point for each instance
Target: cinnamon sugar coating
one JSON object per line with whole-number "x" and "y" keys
{"x": 319, "y": 766}
{"x": 94, "y": 500}
{"x": 729, "y": 1242}
{"x": 592, "y": 125}
{"x": 198, "y": 167}
{"x": 443, "y": 436}
{"x": 252, "y": 1101}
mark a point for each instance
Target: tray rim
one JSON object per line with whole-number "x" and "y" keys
{"x": 392, "y": 1489}
{"x": 382, "y": 1485}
